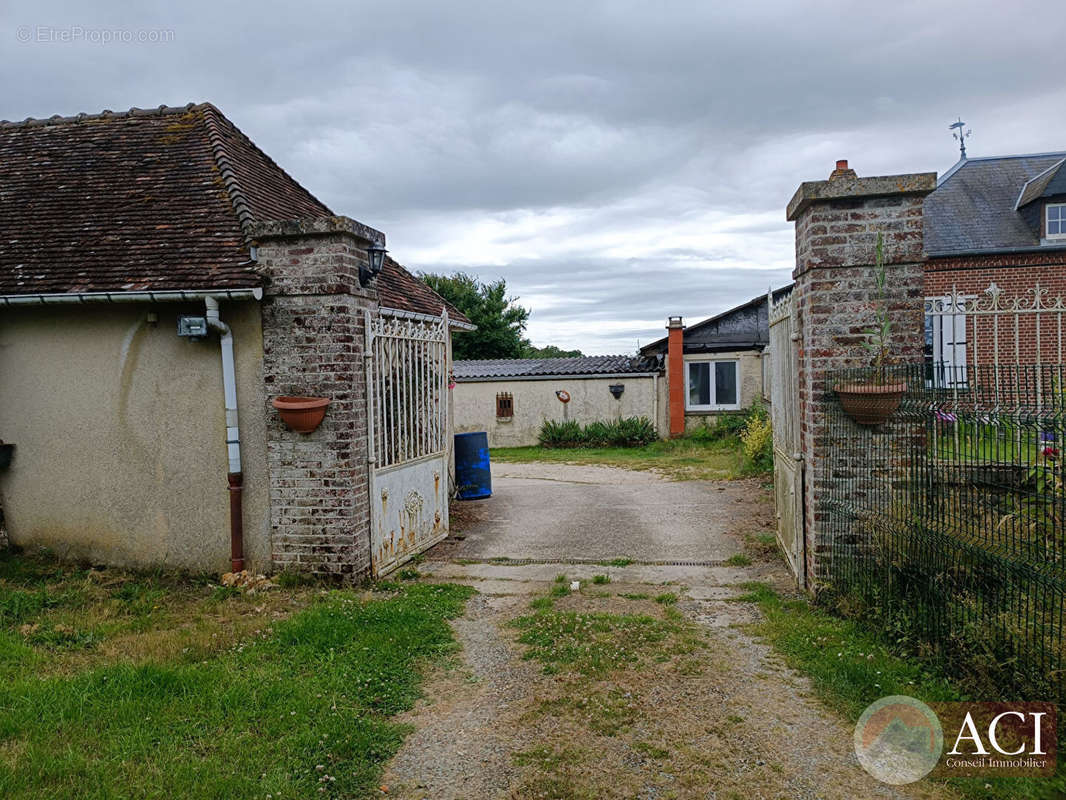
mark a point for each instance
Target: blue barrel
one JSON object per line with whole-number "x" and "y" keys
{"x": 473, "y": 473}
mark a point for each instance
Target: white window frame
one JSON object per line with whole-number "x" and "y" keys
{"x": 950, "y": 346}
{"x": 713, "y": 406}
{"x": 1062, "y": 221}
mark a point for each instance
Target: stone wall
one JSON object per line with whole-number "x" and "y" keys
{"x": 835, "y": 295}
{"x": 313, "y": 344}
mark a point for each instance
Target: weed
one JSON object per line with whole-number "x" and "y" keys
{"x": 738, "y": 560}
{"x": 560, "y": 578}
{"x": 546, "y": 758}
{"x": 223, "y": 593}
{"x": 559, "y": 590}
{"x": 666, "y": 598}
{"x": 635, "y": 596}
{"x": 601, "y": 579}
{"x": 762, "y": 546}
{"x": 616, "y": 562}
{"x": 409, "y": 574}
{"x": 596, "y": 643}
{"x": 651, "y": 751}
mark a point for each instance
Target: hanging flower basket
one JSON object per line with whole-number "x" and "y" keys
{"x": 870, "y": 403}
{"x": 301, "y": 414}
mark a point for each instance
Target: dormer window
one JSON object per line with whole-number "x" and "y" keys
{"x": 1056, "y": 220}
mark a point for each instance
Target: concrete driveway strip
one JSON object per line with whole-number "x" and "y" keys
{"x": 558, "y": 512}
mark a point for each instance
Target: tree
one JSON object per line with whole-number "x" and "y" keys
{"x": 500, "y": 320}
{"x": 548, "y": 351}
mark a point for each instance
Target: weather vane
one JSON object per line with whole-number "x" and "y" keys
{"x": 959, "y": 136}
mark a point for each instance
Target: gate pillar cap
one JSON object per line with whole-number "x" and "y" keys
{"x": 849, "y": 188}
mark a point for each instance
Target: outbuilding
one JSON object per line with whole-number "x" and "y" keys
{"x": 163, "y": 286}
{"x": 512, "y": 398}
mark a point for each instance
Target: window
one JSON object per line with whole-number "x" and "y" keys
{"x": 1056, "y": 220}
{"x": 945, "y": 343}
{"x": 713, "y": 385}
{"x": 504, "y": 405}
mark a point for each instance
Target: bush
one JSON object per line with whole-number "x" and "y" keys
{"x": 629, "y": 432}
{"x": 726, "y": 426}
{"x": 561, "y": 434}
{"x": 758, "y": 440}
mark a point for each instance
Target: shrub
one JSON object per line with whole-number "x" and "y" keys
{"x": 758, "y": 441}
{"x": 561, "y": 434}
{"x": 630, "y": 432}
{"x": 725, "y": 426}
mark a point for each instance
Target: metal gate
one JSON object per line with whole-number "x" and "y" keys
{"x": 407, "y": 402}
{"x": 784, "y": 414}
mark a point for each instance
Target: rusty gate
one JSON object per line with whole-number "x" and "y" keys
{"x": 407, "y": 403}
{"x": 784, "y": 415}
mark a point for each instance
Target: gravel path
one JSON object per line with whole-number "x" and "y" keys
{"x": 563, "y": 511}
{"x": 723, "y": 720}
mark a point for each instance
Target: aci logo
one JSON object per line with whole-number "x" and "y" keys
{"x": 898, "y": 739}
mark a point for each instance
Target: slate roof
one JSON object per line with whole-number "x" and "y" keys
{"x": 147, "y": 199}
{"x": 591, "y": 366}
{"x": 1040, "y": 185}
{"x": 724, "y": 337}
{"x": 976, "y": 205}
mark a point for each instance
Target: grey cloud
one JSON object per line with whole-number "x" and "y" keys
{"x": 543, "y": 141}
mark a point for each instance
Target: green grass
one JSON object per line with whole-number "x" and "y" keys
{"x": 594, "y": 644}
{"x": 850, "y": 666}
{"x": 738, "y": 560}
{"x": 680, "y": 459}
{"x": 292, "y": 706}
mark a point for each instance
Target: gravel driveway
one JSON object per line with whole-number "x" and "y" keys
{"x": 562, "y": 512}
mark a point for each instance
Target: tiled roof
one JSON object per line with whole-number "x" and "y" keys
{"x": 150, "y": 199}
{"x": 137, "y": 200}
{"x": 974, "y": 207}
{"x": 398, "y": 288}
{"x": 549, "y": 367}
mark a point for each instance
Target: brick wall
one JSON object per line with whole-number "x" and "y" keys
{"x": 835, "y": 295}
{"x": 1017, "y": 274}
{"x": 313, "y": 344}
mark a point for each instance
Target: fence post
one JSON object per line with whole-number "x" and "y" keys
{"x": 837, "y": 223}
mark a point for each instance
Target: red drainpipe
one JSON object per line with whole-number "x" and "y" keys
{"x": 675, "y": 375}
{"x": 236, "y": 521}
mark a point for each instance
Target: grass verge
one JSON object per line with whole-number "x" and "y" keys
{"x": 298, "y": 706}
{"x": 850, "y": 666}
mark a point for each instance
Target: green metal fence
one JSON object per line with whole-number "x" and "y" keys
{"x": 945, "y": 524}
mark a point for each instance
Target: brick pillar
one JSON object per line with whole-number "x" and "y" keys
{"x": 313, "y": 344}
{"x": 837, "y": 222}
{"x": 675, "y": 375}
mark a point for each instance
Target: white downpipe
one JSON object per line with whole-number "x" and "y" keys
{"x": 229, "y": 383}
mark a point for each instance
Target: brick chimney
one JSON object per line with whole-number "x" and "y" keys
{"x": 842, "y": 171}
{"x": 675, "y": 374}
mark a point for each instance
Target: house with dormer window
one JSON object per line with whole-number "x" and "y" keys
{"x": 995, "y": 237}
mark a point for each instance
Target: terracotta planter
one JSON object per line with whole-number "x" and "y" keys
{"x": 301, "y": 414}
{"x": 870, "y": 403}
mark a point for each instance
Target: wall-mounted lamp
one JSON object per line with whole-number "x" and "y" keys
{"x": 375, "y": 260}
{"x": 616, "y": 389}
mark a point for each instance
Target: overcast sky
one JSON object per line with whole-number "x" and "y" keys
{"x": 615, "y": 162}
